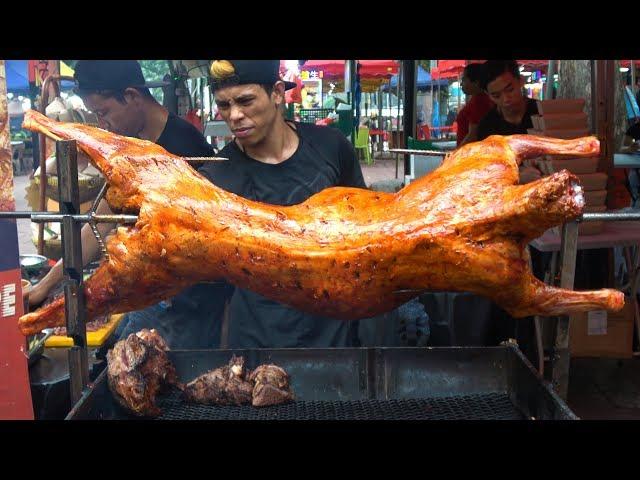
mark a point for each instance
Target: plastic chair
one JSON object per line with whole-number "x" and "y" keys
{"x": 424, "y": 132}
{"x": 362, "y": 142}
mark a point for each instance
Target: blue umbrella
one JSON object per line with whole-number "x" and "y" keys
{"x": 423, "y": 81}
{"x": 17, "y": 72}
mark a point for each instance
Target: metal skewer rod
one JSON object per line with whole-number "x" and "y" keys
{"x": 44, "y": 217}
{"x": 92, "y": 224}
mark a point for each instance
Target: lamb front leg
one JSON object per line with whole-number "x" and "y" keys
{"x": 129, "y": 281}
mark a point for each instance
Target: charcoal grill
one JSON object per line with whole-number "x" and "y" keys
{"x": 447, "y": 383}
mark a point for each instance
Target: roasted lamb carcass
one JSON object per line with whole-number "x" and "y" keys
{"x": 346, "y": 253}
{"x": 138, "y": 369}
{"x": 232, "y": 384}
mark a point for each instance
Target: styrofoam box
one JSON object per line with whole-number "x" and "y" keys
{"x": 593, "y": 181}
{"x": 560, "y": 105}
{"x": 576, "y": 121}
{"x": 575, "y": 165}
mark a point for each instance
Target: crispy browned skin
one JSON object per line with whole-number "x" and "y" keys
{"x": 344, "y": 251}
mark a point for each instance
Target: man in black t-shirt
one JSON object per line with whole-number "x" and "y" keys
{"x": 513, "y": 111}
{"x": 279, "y": 162}
{"x": 117, "y": 93}
{"x": 282, "y": 163}
{"x": 512, "y": 116}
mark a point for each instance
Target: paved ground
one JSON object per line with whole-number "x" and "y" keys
{"x": 24, "y": 226}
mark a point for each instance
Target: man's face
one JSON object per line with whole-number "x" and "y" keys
{"x": 249, "y": 111}
{"x": 506, "y": 92}
{"x": 466, "y": 85}
{"x": 117, "y": 117}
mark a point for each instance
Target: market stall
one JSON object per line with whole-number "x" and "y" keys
{"x": 373, "y": 383}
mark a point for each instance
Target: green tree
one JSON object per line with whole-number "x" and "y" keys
{"x": 154, "y": 70}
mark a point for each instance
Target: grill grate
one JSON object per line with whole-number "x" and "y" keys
{"x": 491, "y": 406}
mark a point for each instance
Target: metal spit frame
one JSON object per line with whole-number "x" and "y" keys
{"x": 75, "y": 310}
{"x": 560, "y": 355}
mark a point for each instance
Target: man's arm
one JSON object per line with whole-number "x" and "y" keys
{"x": 90, "y": 251}
{"x": 350, "y": 170}
{"x": 472, "y": 135}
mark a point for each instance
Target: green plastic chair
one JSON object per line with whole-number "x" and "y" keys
{"x": 362, "y": 142}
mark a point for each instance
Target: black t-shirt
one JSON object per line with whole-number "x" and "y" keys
{"x": 324, "y": 158}
{"x": 182, "y": 138}
{"x": 634, "y": 131}
{"x": 494, "y": 124}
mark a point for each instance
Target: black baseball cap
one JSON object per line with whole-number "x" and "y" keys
{"x": 96, "y": 75}
{"x": 252, "y": 71}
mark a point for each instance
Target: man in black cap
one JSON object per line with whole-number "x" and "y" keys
{"x": 280, "y": 162}
{"x": 116, "y": 91}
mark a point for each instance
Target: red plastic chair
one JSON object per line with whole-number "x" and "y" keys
{"x": 424, "y": 132}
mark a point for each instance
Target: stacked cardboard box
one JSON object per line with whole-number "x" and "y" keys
{"x": 565, "y": 118}
{"x": 602, "y": 334}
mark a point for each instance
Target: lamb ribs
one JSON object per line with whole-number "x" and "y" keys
{"x": 344, "y": 252}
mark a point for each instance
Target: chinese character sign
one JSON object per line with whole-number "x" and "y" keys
{"x": 39, "y": 70}
{"x": 15, "y": 391}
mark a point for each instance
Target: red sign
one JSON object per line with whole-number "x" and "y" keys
{"x": 15, "y": 390}
{"x": 39, "y": 70}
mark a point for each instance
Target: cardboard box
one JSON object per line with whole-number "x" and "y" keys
{"x": 595, "y": 198}
{"x": 602, "y": 334}
{"x": 560, "y": 105}
{"x": 553, "y": 121}
{"x": 574, "y": 165}
{"x": 593, "y": 181}
{"x": 590, "y": 228}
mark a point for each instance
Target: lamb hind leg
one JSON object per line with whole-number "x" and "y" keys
{"x": 545, "y": 300}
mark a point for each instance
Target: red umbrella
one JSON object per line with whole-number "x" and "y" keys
{"x": 368, "y": 68}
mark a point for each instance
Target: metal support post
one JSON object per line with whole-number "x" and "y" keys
{"x": 561, "y": 355}
{"x": 74, "y": 306}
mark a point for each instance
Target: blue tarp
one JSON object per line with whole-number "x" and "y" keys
{"x": 423, "y": 82}
{"x": 18, "y": 77}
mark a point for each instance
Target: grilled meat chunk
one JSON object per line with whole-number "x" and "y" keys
{"x": 234, "y": 385}
{"x": 221, "y": 386}
{"x": 138, "y": 370}
{"x": 271, "y": 386}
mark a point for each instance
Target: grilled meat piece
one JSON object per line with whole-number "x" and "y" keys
{"x": 234, "y": 385}
{"x": 271, "y": 386}
{"x": 138, "y": 369}
{"x": 345, "y": 253}
{"x": 221, "y": 386}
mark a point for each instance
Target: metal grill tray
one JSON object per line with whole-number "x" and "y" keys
{"x": 450, "y": 383}
{"x": 492, "y": 406}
